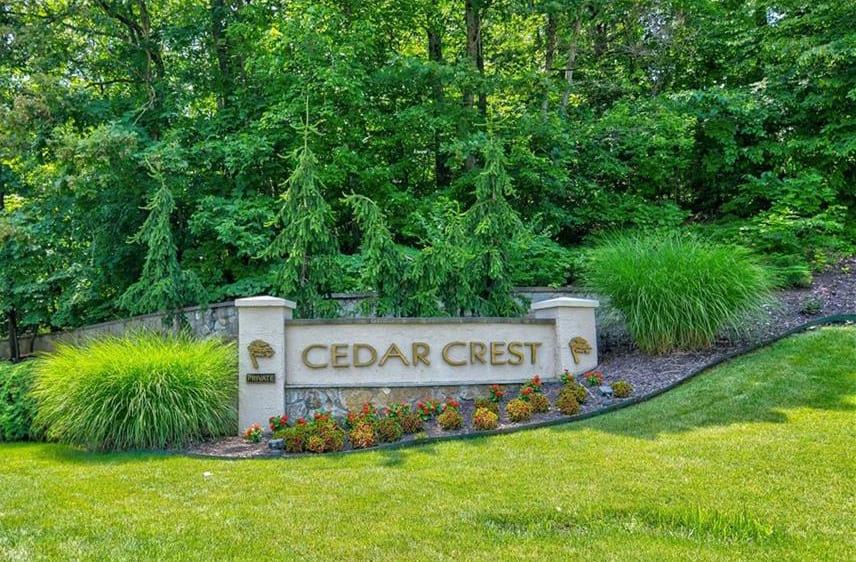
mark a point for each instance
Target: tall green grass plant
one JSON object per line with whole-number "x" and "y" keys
{"x": 677, "y": 291}
{"x": 143, "y": 391}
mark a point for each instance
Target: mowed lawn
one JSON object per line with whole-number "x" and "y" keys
{"x": 755, "y": 460}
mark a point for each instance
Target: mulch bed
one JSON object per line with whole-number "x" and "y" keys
{"x": 832, "y": 292}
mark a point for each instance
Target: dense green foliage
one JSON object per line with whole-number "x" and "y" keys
{"x": 676, "y": 291}
{"x": 752, "y": 461}
{"x": 491, "y": 136}
{"x": 141, "y": 391}
{"x": 17, "y": 407}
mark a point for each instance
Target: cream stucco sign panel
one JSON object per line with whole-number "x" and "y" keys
{"x": 420, "y": 353}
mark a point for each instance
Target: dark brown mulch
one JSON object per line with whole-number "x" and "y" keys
{"x": 832, "y": 292}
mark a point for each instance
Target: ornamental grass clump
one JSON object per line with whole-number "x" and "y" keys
{"x": 141, "y": 391}
{"x": 676, "y": 291}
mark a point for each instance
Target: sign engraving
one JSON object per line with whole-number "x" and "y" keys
{"x": 579, "y": 345}
{"x": 261, "y": 378}
{"x": 259, "y": 349}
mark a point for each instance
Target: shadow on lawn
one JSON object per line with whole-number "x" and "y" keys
{"x": 816, "y": 370}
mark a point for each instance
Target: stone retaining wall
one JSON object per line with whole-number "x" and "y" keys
{"x": 217, "y": 319}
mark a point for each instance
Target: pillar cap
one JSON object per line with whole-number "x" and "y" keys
{"x": 264, "y": 301}
{"x": 565, "y": 302}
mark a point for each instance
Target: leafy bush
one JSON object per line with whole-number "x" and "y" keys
{"x": 578, "y": 390}
{"x": 141, "y": 391}
{"x": 540, "y": 403}
{"x": 484, "y": 419}
{"x": 450, "y": 419}
{"x": 621, "y": 389}
{"x": 412, "y": 423}
{"x": 294, "y": 439}
{"x": 676, "y": 292}
{"x": 362, "y": 436}
{"x": 567, "y": 402}
{"x": 387, "y": 430}
{"x": 488, "y": 404}
{"x": 518, "y": 410}
{"x": 325, "y": 427}
{"x": 17, "y": 408}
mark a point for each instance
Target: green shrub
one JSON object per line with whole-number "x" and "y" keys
{"x": 567, "y": 402}
{"x": 540, "y": 403}
{"x": 487, "y": 404}
{"x": 518, "y": 410}
{"x": 450, "y": 419}
{"x": 621, "y": 389}
{"x": 141, "y": 391}
{"x": 387, "y": 430}
{"x": 484, "y": 419}
{"x": 17, "y": 407}
{"x": 674, "y": 291}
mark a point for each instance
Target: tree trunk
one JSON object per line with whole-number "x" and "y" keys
{"x": 442, "y": 174}
{"x": 549, "y": 58}
{"x": 14, "y": 349}
{"x": 475, "y": 49}
{"x": 218, "y": 28}
{"x": 569, "y": 69}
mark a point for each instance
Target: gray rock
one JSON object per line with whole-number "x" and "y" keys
{"x": 276, "y": 444}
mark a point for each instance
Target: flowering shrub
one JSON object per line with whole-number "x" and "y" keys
{"x": 253, "y": 433}
{"x": 450, "y": 419}
{"x": 277, "y": 422}
{"x": 387, "y": 430}
{"x": 593, "y": 378}
{"x": 518, "y": 410}
{"x": 621, "y": 389}
{"x": 449, "y": 403}
{"x": 321, "y": 435}
{"x": 484, "y": 419}
{"x": 497, "y": 392}
{"x": 532, "y": 386}
{"x": 566, "y": 377}
{"x": 427, "y": 409}
{"x": 567, "y": 402}
{"x": 540, "y": 403}
{"x": 488, "y": 404}
{"x": 398, "y": 411}
{"x": 362, "y": 436}
{"x": 368, "y": 413}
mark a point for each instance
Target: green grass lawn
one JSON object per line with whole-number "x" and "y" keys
{"x": 752, "y": 461}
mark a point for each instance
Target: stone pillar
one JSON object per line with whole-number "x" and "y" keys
{"x": 261, "y": 358}
{"x": 576, "y": 335}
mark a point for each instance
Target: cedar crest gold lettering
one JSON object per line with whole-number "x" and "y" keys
{"x": 454, "y": 354}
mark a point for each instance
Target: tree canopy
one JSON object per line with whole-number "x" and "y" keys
{"x": 463, "y": 146}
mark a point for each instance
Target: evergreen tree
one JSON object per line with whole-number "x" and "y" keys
{"x": 306, "y": 244}
{"x": 163, "y": 286}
